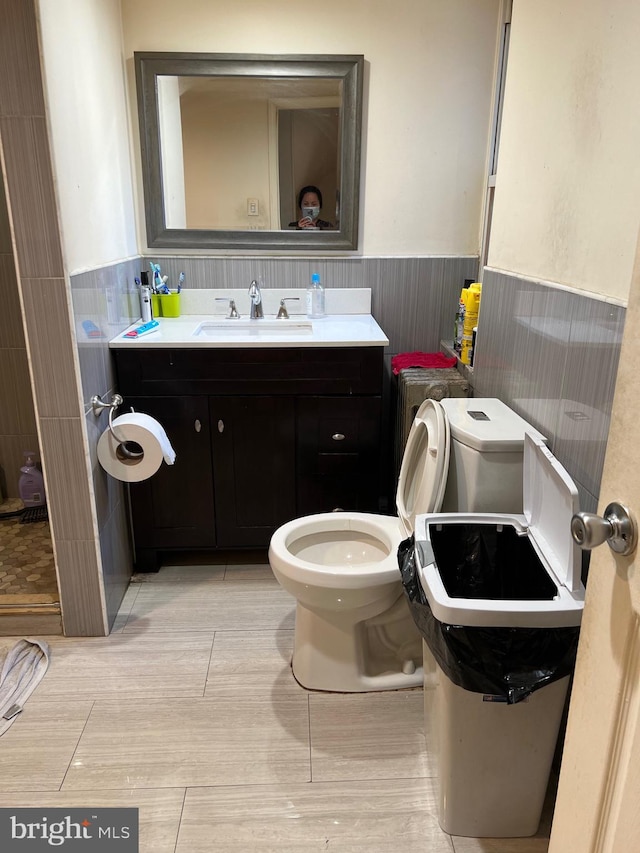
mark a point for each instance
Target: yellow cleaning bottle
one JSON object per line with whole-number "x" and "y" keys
{"x": 472, "y": 308}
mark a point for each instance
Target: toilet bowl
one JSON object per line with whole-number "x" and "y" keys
{"x": 354, "y": 631}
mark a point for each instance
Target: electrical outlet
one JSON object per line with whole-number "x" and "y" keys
{"x": 253, "y": 207}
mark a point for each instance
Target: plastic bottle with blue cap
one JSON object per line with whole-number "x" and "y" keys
{"x": 315, "y": 298}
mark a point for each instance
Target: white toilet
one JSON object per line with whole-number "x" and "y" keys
{"x": 354, "y": 632}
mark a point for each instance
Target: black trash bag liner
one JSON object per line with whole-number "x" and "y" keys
{"x": 510, "y": 663}
{"x": 478, "y": 560}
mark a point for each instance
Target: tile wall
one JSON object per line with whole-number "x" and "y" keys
{"x": 413, "y": 299}
{"x": 17, "y": 417}
{"x": 552, "y": 355}
{"x": 47, "y": 318}
{"x": 549, "y": 353}
{"x": 107, "y": 299}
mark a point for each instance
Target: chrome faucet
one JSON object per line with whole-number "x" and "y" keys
{"x": 255, "y": 296}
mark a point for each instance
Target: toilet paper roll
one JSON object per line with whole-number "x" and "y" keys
{"x": 139, "y": 433}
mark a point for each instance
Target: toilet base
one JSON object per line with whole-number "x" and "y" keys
{"x": 333, "y": 652}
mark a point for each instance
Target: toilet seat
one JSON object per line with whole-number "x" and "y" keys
{"x": 425, "y": 465}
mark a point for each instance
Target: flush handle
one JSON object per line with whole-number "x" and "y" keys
{"x": 618, "y": 529}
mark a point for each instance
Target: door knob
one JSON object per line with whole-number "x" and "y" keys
{"x": 617, "y": 528}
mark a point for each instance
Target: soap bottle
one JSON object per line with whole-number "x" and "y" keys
{"x": 31, "y": 483}
{"x": 315, "y": 298}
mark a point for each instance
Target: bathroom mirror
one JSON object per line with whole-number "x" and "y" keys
{"x": 228, "y": 140}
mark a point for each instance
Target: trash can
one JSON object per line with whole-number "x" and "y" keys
{"x": 498, "y": 600}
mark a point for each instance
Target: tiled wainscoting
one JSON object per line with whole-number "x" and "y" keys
{"x": 548, "y": 352}
{"x": 552, "y": 355}
{"x": 414, "y": 301}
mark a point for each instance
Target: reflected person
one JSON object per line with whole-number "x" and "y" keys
{"x": 310, "y": 204}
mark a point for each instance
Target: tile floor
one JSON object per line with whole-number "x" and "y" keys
{"x": 189, "y": 712}
{"x": 27, "y": 565}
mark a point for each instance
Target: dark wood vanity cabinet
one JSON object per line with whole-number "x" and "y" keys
{"x": 254, "y": 467}
{"x": 338, "y": 454}
{"x": 261, "y": 436}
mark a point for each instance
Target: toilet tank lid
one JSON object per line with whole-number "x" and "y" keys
{"x": 486, "y": 424}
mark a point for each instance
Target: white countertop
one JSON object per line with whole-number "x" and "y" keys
{"x": 335, "y": 330}
{"x": 348, "y": 322}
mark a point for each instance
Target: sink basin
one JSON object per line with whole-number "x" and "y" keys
{"x": 251, "y": 328}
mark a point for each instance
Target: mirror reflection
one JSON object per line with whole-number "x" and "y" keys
{"x": 246, "y": 151}
{"x": 236, "y": 152}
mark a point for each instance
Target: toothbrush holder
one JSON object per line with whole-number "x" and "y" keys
{"x": 169, "y": 304}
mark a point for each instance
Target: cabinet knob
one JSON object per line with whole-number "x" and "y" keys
{"x": 197, "y": 425}
{"x": 337, "y": 436}
{"x": 220, "y": 425}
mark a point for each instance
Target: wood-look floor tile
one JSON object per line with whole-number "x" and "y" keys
{"x": 229, "y": 606}
{"x": 248, "y": 572}
{"x": 204, "y": 573}
{"x": 159, "y": 810}
{"x": 127, "y": 665}
{"x": 125, "y": 609}
{"x": 367, "y": 736}
{"x": 372, "y": 816}
{"x": 252, "y": 663}
{"x": 178, "y": 743}
{"x": 35, "y": 752}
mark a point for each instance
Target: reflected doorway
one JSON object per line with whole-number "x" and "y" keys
{"x": 308, "y": 154}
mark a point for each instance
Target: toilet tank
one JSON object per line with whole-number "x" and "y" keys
{"x": 486, "y": 456}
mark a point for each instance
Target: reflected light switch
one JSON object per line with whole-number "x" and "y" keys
{"x": 252, "y": 207}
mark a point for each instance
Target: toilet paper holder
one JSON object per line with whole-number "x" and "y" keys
{"x": 127, "y": 449}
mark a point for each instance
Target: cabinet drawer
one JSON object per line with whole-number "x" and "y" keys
{"x": 338, "y": 453}
{"x": 278, "y": 371}
{"x": 338, "y": 424}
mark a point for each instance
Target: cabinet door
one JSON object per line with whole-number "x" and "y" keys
{"x": 253, "y": 442}
{"x": 174, "y": 508}
{"x": 338, "y": 454}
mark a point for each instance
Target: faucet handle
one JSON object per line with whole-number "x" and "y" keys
{"x": 283, "y": 314}
{"x": 233, "y": 311}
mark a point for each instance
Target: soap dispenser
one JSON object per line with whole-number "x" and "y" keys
{"x": 31, "y": 483}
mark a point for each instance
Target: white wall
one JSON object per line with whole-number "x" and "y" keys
{"x": 226, "y": 149}
{"x": 171, "y": 151}
{"x": 567, "y": 204}
{"x": 89, "y": 126}
{"x": 427, "y": 97}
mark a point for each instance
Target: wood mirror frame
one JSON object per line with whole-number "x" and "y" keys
{"x": 347, "y": 69}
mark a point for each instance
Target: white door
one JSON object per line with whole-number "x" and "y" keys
{"x": 598, "y": 804}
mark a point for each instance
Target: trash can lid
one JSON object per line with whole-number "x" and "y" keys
{"x": 549, "y": 500}
{"x": 425, "y": 465}
{"x": 486, "y": 424}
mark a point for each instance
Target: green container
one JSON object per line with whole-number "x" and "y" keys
{"x": 156, "y": 308}
{"x": 169, "y": 304}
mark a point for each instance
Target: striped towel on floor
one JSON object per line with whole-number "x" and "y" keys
{"x": 22, "y": 671}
